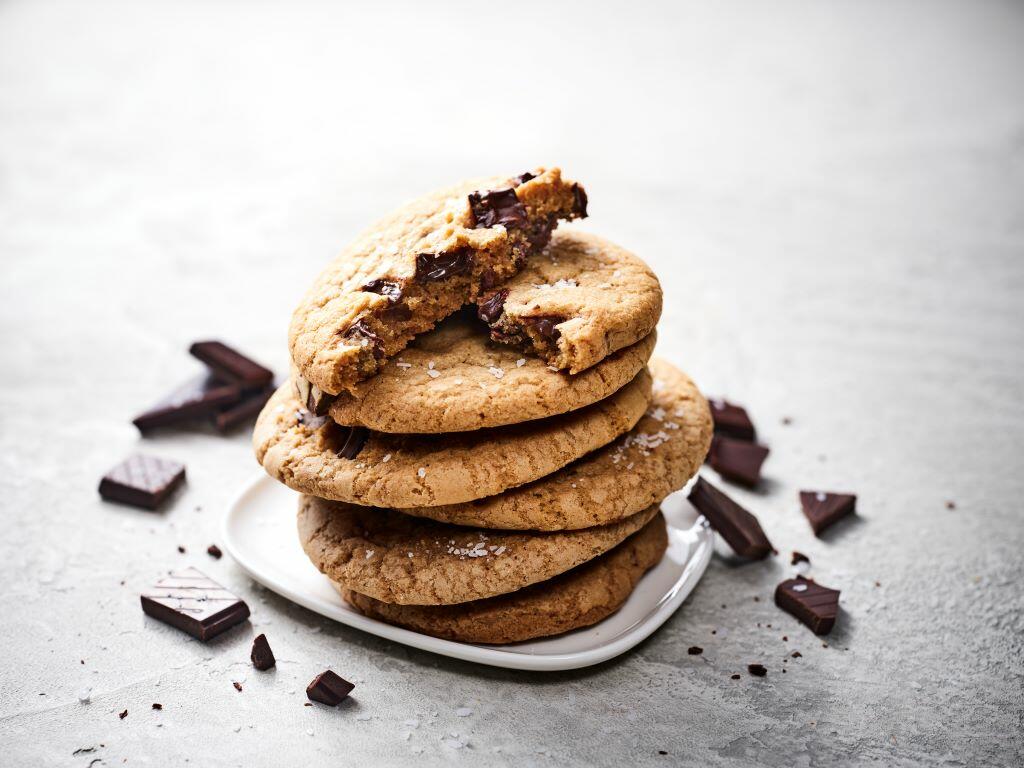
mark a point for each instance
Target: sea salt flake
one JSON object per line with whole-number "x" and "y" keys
{"x": 520, "y": 362}
{"x": 433, "y": 374}
{"x": 369, "y": 554}
{"x": 386, "y": 459}
{"x": 820, "y": 496}
{"x": 422, "y": 472}
{"x": 404, "y": 365}
{"x": 799, "y": 587}
{"x": 496, "y": 372}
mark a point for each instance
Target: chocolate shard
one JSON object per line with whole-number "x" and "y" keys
{"x": 737, "y": 526}
{"x": 328, "y": 688}
{"x": 261, "y": 655}
{"x": 142, "y": 481}
{"x": 799, "y": 557}
{"x": 231, "y": 365}
{"x": 197, "y": 398}
{"x": 192, "y": 602}
{"x": 352, "y": 440}
{"x": 544, "y": 325}
{"x": 737, "y": 460}
{"x": 234, "y": 416}
{"x": 732, "y": 420}
{"x": 435, "y": 267}
{"x": 389, "y": 289}
{"x": 315, "y": 399}
{"x": 822, "y": 508}
{"x": 757, "y": 670}
{"x": 490, "y": 309}
{"x": 579, "y": 198}
{"x": 499, "y": 206}
{"x": 814, "y": 605}
{"x": 523, "y": 178}
{"x": 214, "y": 551}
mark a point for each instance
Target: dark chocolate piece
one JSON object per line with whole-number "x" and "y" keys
{"x": 732, "y": 420}
{"x": 123, "y": 715}
{"x": 193, "y": 603}
{"x": 142, "y": 481}
{"x": 196, "y": 398}
{"x": 757, "y": 670}
{"x": 799, "y": 557}
{"x": 523, "y": 178}
{"x": 353, "y": 442}
{"x": 734, "y": 677}
{"x": 490, "y": 309}
{"x": 389, "y": 289}
{"x": 737, "y": 526}
{"x": 499, "y": 206}
{"x": 214, "y": 551}
{"x": 796, "y": 654}
{"x": 737, "y": 460}
{"x": 544, "y": 325}
{"x": 434, "y": 267}
{"x": 579, "y": 199}
{"x": 814, "y": 605}
{"x": 314, "y": 398}
{"x": 262, "y": 657}
{"x": 231, "y": 365}
{"x": 823, "y": 509}
{"x": 328, "y": 688}
{"x": 695, "y": 650}
{"x": 158, "y": 706}
{"x": 181, "y": 550}
{"x": 234, "y": 416}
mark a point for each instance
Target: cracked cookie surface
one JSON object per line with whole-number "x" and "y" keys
{"x": 578, "y": 598}
{"x": 419, "y": 265}
{"x": 397, "y": 558}
{"x": 579, "y": 300}
{"x": 658, "y": 456}
{"x": 453, "y": 379}
{"x": 317, "y": 456}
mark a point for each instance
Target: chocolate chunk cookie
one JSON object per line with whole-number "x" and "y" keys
{"x": 579, "y": 598}
{"x": 577, "y": 302}
{"x": 409, "y": 560}
{"x": 418, "y": 266}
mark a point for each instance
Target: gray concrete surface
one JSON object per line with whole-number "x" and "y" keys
{"x": 833, "y": 196}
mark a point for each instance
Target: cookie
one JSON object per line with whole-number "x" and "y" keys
{"x": 659, "y": 455}
{"x": 576, "y": 303}
{"x": 418, "y": 266}
{"x": 410, "y": 560}
{"x": 453, "y": 379}
{"x": 579, "y": 598}
{"x": 317, "y": 456}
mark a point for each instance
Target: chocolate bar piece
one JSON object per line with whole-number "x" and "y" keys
{"x": 142, "y": 481}
{"x": 261, "y": 655}
{"x": 194, "y": 603}
{"x": 231, "y": 365}
{"x": 814, "y": 605}
{"x": 823, "y": 509}
{"x": 732, "y": 420}
{"x": 196, "y": 398}
{"x": 737, "y": 460}
{"x": 328, "y": 688}
{"x": 736, "y": 525}
{"x": 242, "y": 412}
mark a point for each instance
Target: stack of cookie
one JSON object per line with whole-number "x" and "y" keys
{"x": 479, "y": 435}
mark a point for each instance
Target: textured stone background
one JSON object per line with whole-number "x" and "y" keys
{"x": 833, "y": 196}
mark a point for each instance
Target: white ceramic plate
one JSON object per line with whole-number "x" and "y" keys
{"x": 260, "y": 533}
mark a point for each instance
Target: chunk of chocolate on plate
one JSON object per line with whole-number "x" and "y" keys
{"x": 328, "y": 688}
{"x": 737, "y": 526}
{"x": 732, "y": 420}
{"x": 737, "y": 460}
{"x": 261, "y": 655}
{"x": 814, "y": 605}
{"x": 142, "y": 481}
{"x": 196, "y": 398}
{"x": 192, "y": 602}
{"x": 822, "y": 509}
{"x": 231, "y": 365}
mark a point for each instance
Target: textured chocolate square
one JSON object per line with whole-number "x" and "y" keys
{"x": 814, "y": 605}
{"x": 142, "y": 481}
{"x": 194, "y": 603}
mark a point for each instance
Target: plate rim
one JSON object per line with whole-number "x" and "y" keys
{"x": 489, "y": 655}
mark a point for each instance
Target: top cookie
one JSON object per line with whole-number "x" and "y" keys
{"x": 453, "y": 379}
{"x": 576, "y": 303}
{"x": 419, "y": 265}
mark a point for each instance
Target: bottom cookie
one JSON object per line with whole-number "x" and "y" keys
{"x": 578, "y": 598}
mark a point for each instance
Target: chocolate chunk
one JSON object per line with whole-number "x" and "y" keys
{"x": 351, "y": 439}
{"x": 737, "y": 460}
{"x": 261, "y": 655}
{"x": 231, "y": 365}
{"x": 757, "y": 670}
{"x": 579, "y": 201}
{"x": 193, "y": 603}
{"x": 736, "y": 525}
{"x": 799, "y": 557}
{"x": 314, "y": 398}
{"x": 328, "y": 688}
{"x": 544, "y": 325}
{"x": 158, "y": 706}
{"x": 389, "y": 289}
{"x": 361, "y": 332}
{"x": 814, "y": 605}
{"x": 823, "y": 509}
{"x": 732, "y": 420}
{"x": 695, "y": 650}
{"x": 181, "y": 550}
{"x": 142, "y": 481}
{"x": 434, "y": 267}
{"x": 214, "y": 551}
{"x": 196, "y": 398}
{"x": 523, "y": 178}
{"x": 496, "y": 207}
{"x": 123, "y": 715}
{"x": 234, "y": 416}
{"x": 491, "y": 308}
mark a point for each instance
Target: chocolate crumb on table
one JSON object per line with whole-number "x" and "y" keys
{"x": 123, "y": 715}
{"x": 158, "y": 706}
{"x": 799, "y": 557}
{"x": 238, "y": 686}
{"x": 214, "y": 551}
{"x": 737, "y": 526}
{"x": 328, "y": 688}
{"x": 142, "y": 481}
{"x": 757, "y": 670}
{"x": 823, "y": 508}
{"x": 695, "y": 650}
